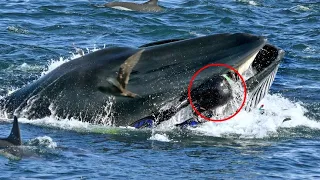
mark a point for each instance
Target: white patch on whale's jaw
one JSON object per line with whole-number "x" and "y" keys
{"x": 122, "y": 8}
{"x": 245, "y": 66}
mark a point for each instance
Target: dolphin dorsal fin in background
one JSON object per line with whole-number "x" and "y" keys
{"x": 15, "y": 137}
{"x": 152, "y": 2}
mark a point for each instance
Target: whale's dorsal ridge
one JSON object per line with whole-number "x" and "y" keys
{"x": 152, "y": 2}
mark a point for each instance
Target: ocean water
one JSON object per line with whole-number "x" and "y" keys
{"x": 37, "y": 36}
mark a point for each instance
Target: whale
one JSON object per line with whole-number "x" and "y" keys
{"x": 258, "y": 79}
{"x": 14, "y": 138}
{"x": 149, "y": 6}
{"x": 119, "y": 85}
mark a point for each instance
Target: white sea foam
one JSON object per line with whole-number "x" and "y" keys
{"x": 12, "y": 89}
{"x": 160, "y": 137}
{"x": 301, "y": 8}
{"x": 256, "y": 125}
{"x": 17, "y": 29}
{"x": 250, "y": 2}
{"x": 244, "y": 125}
{"x": 53, "y": 64}
{"x": 72, "y": 124}
{"x": 196, "y": 34}
{"x": 44, "y": 141}
{"x": 27, "y": 67}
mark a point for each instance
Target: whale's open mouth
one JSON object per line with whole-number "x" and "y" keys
{"x": 258, "y": 71}
{"x": 263, "y": 70}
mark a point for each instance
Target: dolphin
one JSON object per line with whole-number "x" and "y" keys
{"x": 149, "y": 6}
{"x": 14, "y": 139}
{"x": 119, "y": 85}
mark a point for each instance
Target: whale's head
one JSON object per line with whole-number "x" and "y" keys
{"x": 258, "y": 71}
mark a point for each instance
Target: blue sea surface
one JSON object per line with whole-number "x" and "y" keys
{"x": 36, "y": 36}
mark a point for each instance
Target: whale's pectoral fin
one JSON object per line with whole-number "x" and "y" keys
{"x": 124, "y": 74}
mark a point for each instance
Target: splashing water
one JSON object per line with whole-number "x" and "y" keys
{"x": 232, "y": 106}
{"x": 250, "y": 2}
{"x": 256, "y": 125}
{"x": 17, "y": 29}
{"x": 244, "y": 125}
{"x": 251, "y": 124}
{"x": 43, "y": 141}
{"x": 53, "y": 64}
{"x": 160, "y": 137}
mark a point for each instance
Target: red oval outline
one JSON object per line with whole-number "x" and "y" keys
{"x": 214, "y": 65}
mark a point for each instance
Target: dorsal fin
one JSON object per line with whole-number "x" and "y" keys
{"x": 152, "y": 2}
{"x": 14, "y": 136}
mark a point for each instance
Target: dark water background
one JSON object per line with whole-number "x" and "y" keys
{"x": 35, "y": 35}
